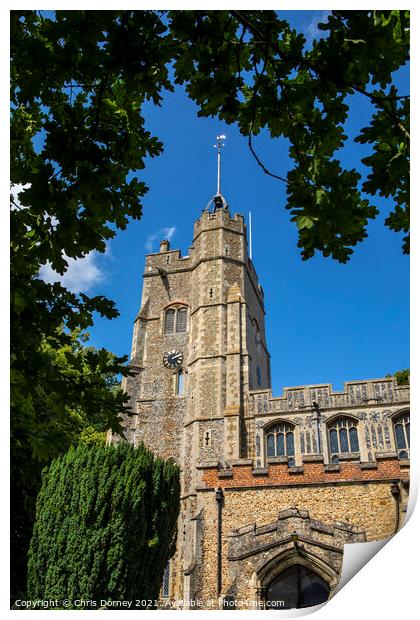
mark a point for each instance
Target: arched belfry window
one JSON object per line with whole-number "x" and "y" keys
{"x": 175, "y": 321}
{"x": 343, "y": 437}
{"x": 280, "y": 440}
{"x": 402, "y": 434}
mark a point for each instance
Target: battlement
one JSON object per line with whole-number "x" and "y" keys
{"x": 221, "y": 217}
{"x": 372, "y": 391}
{"x": 241, "y": 473}
{"x": 172, "y": 260}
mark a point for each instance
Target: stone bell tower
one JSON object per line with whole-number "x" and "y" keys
{"x": 198, "y": 344}
{"x": 198, "y": 348}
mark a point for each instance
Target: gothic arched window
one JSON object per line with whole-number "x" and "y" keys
{"x": 402, "y": 434}
{"x": 342, "y": 437}
{"x": 166, "y": 581}
{"x": 280, "y": 440}
{"x": 175, "y": 320}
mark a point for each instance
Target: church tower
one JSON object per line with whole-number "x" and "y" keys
{"x": 199, "y": 344}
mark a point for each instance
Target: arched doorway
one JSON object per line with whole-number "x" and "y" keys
{"x": 296, "y": 587}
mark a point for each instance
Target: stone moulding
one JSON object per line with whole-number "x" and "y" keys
{"x": 292, "y": 522}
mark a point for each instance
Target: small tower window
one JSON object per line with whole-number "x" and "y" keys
{"x": 207, "y": 438}
{"x": 175, "y": 320}
{"x": 169, "y": 321}
{"x": 179, "y": 383}
{"x": 181, "y": 320}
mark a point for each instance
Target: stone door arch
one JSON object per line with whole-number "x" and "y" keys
{"x": 294, "y": 579}
{"x": 258, "y": 555}
{"x": 296, "y": 587}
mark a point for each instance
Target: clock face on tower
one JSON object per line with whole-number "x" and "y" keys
{"x": 173, "y": 359}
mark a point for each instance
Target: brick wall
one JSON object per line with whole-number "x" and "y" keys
{"x": 280, "y": 474}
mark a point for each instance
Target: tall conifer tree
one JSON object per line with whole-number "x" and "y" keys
{"x": 105, "y": 525}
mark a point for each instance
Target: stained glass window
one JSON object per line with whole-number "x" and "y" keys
{"x": 270, "y": 445}
{"x": 354, "y": 440}
{"x": 333, "y": 440}
{"x": 280, "y": 444}
{"x": 344, "y": 440}
{"x": 165, "y": 581}
{"x": 343, "y": 437}
{"x": 402, "y": 435}
{"x": 290, "y": 444}
{"x": 280, "y": 440}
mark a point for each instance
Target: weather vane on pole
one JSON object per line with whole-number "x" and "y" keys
{"x": 218, "y": 199}
{"x": 219, "y": 144}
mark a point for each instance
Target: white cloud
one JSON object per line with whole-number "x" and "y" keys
{"x": 162, "y": 233}
{"x": 14, "y": 192}
{"x": 312, "y": 30}
{"x": 81, "y": 275}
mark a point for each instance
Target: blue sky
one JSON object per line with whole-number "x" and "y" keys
{"x": 325, "y": 322}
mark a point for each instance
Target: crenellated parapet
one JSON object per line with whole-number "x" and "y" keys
{"x": 212, "y": 220}
{"x": 370, "y": 392}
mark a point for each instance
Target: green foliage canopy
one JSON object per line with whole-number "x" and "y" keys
{"x": 252, "y": 68}
{"x": 402, "y": 376}
{"x": 105, "y": 525}
{"x": 79, "y": 80}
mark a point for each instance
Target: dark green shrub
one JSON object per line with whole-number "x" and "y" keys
{"x": 105, "y": 525}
